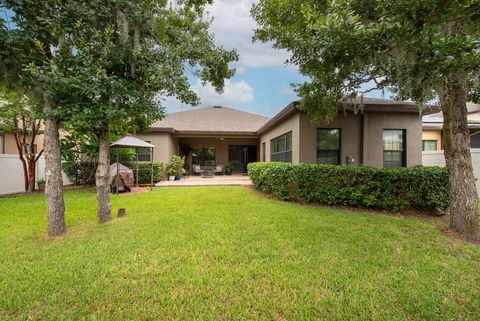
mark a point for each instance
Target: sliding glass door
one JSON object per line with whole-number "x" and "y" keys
{"x": 241, "y": 155}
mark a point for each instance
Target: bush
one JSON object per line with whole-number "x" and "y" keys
{"x": 144, "y": 171}
{"x": 396, "y": 189}
{"x": 83, "y": 173}
{"x": 80, "y": 173}
{"x": 175, "y": 165}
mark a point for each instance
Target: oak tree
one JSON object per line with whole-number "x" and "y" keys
{"x": 419, "y": 49}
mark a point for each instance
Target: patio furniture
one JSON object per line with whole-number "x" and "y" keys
{"x": 218, "y": 170}
{"x": 197, "y": 170}
{"x": 207, "y": 173}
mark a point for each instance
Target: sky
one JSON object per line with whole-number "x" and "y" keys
{"x": 262, "y": 80}
{"x": 262, "y": 83}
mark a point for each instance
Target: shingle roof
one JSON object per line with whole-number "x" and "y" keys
{"x": 370, "y": 105}
{"x": 435, "y": 121}
{"x": 381, "y": 101}
{"x": 212, "y": 119}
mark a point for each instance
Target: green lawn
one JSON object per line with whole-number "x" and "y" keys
{"x": 216, "y": 253}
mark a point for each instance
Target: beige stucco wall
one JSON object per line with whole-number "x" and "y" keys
{"x": 433, "y": 135}
{"x": 351, "y": 137}
{"x": 9, "y": 144}
{"x": 292, "y": 124}
{"x": 353, "y": 129}
{"x": 10, "y": 147}
{"x": 165, "y": 145}
{"x": 374, "y": 125}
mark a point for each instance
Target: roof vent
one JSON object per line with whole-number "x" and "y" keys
{"x": 217, "y": 106}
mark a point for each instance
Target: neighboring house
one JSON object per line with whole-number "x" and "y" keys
{"x": 9, "y": 146}
{"x": 432, "y": 129}
{"x": 383, "y": 133}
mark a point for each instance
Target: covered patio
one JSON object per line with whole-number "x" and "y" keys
{"x": 221, "y": 180}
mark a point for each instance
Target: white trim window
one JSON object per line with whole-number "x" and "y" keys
{"x": 281, "y": 148}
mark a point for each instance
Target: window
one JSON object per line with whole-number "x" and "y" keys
{"x": 263, "y": 152}
{"x": 143, "y": 154}
{"x": 429, "y": 145}
{"x": 204, "y": 156}
{"x": 2, "y": 144}
{"x": 281, "y": 148}
{"x": 328, "y": 146}
{"x": 393, "y": 147}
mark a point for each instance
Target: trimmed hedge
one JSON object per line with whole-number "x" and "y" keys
{"x": 80, "y": 173}
{"x": 144, "y": 171}
{"x": 396, "y": 189}
{"x": 83, "y": 173}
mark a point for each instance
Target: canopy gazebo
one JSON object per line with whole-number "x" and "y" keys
{"x": 133, "y": 142}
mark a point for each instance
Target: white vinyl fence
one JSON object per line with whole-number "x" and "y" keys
{"x": 11, "y": 173}
{"x": 436, "y": 158}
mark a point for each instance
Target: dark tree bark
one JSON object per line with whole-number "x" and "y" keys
{"x": 28, "y": 157}
{"x": 463, "y": 192}
{"x": 19, "y": 144}
{"x": 53, "y": 175}
{"x": 104, "y": 207}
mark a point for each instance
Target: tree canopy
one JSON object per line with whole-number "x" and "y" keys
{"x": 97, "y": 65}
{"x": 418, "y": 49}
{"x": 405, "y": 46}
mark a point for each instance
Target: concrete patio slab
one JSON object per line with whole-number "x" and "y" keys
{"x": 223, "y": 180}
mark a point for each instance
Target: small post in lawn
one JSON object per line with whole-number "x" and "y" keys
{"x": 121, "y": 212}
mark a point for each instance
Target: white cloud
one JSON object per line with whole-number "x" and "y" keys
{"x": 235, "y": 93}
{"x": 233, "y": 28}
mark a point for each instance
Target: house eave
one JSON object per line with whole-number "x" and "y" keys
{"x": 221, "y": 134}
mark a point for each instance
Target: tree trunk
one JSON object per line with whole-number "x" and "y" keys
{"x": 101, "y": 177}
{"x": 53, "y": 175}
{"x": 31, "y": 173}
{"x": 463, "y": 192}
{"x": 20, "y": 142}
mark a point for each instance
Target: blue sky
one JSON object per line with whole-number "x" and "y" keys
{"x": 262, "y": 82}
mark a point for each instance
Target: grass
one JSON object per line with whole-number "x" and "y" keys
{"x": 213, "y": 253}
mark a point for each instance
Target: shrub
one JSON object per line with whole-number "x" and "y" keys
{"x": 83, "y": 173}
{"x": 144, "y": 171}
{"x": 395, "y": 189}
{"x": 175, "y": 165}
{"x": 80, "y": 173}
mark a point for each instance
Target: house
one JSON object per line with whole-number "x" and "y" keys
{"x": 208, "y": 136}
{"x": 432, "y": 129}
{"x": 9, "y": 146}
{"x": 382, "y": 133}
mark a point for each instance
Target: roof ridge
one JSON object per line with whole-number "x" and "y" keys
{"x": 196, "y": 109}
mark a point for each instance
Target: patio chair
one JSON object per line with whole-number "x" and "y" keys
{"x": 218, "y": 170}
{"x": 197, "y": 170}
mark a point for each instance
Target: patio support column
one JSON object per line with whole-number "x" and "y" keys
{"x": 136, "y": 163}
{"x": 151, "y": 168}
{"x": 116, "y": 177}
